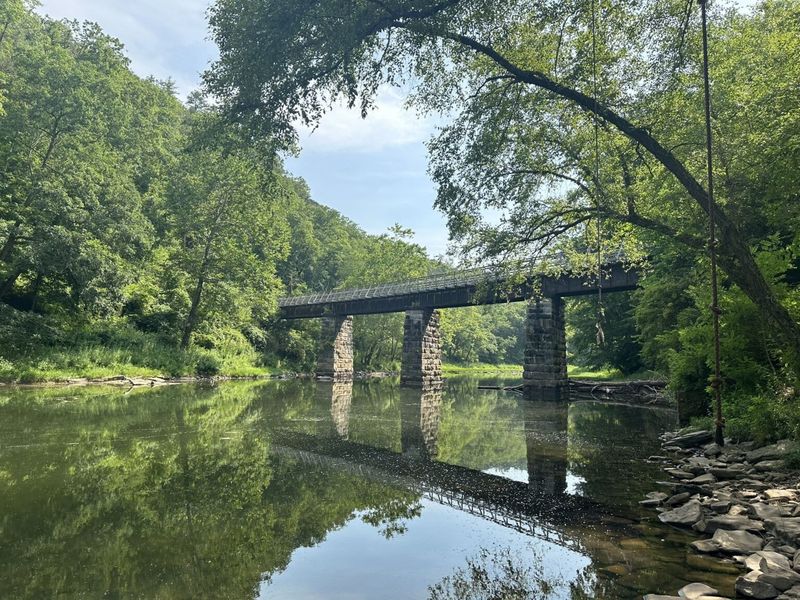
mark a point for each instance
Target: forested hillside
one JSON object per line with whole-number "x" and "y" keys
{"x": 139, "y": 235}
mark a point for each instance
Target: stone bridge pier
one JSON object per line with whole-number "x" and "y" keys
{"x": 422, "y": 349}
{"x": 335, "y": 350}
{"x": 545, "y": 369}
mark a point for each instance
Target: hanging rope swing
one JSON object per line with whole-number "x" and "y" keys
{"x": 716, "y": 380}
{"x": 601, "y": 313}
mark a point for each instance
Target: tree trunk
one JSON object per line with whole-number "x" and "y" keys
{"x": 8, "y": 284}
{"x": 191, "y": 319}
{"x": 739, "y": 264}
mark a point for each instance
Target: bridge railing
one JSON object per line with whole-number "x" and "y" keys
{"x": 439, "y": 281}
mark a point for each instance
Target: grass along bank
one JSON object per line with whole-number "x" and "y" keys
{"x": 513, "y": 370}
{"x": 37, "y": 350}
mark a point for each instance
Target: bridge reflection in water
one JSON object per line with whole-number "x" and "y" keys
{"x": 566, "y": 474}
{"x": 539, "y": 507}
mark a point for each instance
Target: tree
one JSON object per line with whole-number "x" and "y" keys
{"x": 523, "y": 80}
{"x": 81, "y": 141}
{"x": 227, "y": 232}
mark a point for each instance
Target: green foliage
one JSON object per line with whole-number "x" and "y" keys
{"x": 484, "y": 334}
{"x": 765, "y": 416}
{"x": 620, "y": 348}
{"x": 207, "y": 365}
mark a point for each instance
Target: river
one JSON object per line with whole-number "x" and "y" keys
{"x": 301, "y": 490}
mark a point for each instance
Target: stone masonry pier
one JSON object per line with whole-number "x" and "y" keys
{"x": 545, "y": 370}
{"x": 335, "y": 354}
{"x": 422, "y": 349}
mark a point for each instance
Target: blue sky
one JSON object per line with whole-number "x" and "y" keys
{"x": 373, "y": 171}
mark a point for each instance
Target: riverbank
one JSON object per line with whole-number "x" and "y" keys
{"x": 744, "y": 504}
{"x": 154, "y": 363}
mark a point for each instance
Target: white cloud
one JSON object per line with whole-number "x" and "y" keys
{"x": 163, "y": 38}
{"x": 389, "y": 125}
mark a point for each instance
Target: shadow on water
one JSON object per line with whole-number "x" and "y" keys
{"x": 300, "y": 489}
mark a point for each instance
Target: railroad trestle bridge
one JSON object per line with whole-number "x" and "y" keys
{"x": 545, "y": 368}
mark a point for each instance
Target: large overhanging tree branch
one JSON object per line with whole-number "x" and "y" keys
{"x": 291, "y": 64}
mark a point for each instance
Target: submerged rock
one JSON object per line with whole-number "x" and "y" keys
{"x": 705, "y": 546}
{"x": 693, "y": 591}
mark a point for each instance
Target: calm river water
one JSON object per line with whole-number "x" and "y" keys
{"x": 300, "y": 490}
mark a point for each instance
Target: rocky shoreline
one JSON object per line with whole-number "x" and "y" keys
{"x": 744, "y": 502}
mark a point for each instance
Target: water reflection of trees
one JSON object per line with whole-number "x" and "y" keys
{"x": 180, "y": 499}
{"x": 606, "y": 443}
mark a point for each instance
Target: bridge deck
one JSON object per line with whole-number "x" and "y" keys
{"x": 464, "y": 288}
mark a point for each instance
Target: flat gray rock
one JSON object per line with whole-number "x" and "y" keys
{"x": 691, "y": 440}
{"x": 773, "y": 452}
{"x": 780, "y": 579}
{"x": 751, "y": 586}
{"x": 792, "y": 593}
{"x": 688, "y": 514}
{"x": 737, "y": 542}
{"x": 766, "y": 466}
{"x": 650, "y": 503}
{"x": 787, "y": 529}
{"x": 720, "y": 506}
{"x": 765, "y": 560}
{"x": 704, "y": 479}
{"x": 679, "y": 474}
{"x": 712, "y": 450}
{"x": 660, "y": 496}
{"x": 726, "y": 473}
{"x": 705, "y": 546}
{"x": 693, "y": 591}
{"x": 780, "y": 494}
{"x": 677, "y": 499}
{"x": 767, "y": 511}
{"x": 732, "y": 522}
